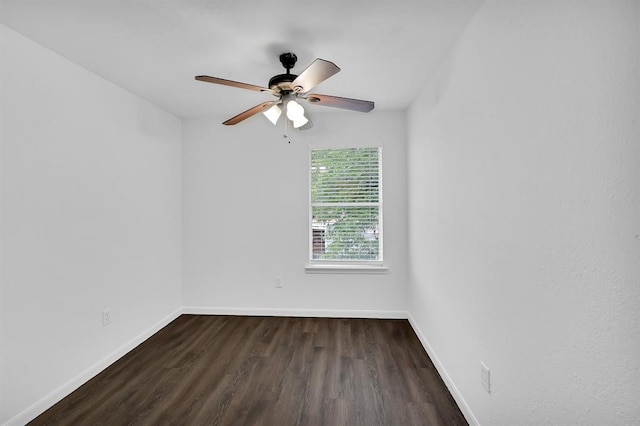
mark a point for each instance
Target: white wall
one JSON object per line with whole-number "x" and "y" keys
{"x": 524, "y": 213}
{"x": 91, "y": 218}
{"x": 246, "y": 217}
{"x": 3, "y": 346}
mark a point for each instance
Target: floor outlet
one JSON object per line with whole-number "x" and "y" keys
{"x": 278, "y": 282}
{"x": 485, "y": 378}
{"x": 106, "y": 317}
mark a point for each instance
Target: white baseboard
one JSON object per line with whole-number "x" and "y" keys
{"x": 466, "y": 411}
{"x": 284, "y": 312}
{"x": 51, "y": 399}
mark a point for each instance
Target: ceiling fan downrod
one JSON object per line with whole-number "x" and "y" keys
{"x": 288, "y": 60}
{"x": 281, "y": 82}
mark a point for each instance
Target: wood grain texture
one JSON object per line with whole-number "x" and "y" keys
{"x": 226, "y": 370}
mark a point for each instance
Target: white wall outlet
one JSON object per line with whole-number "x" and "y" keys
{"x": 485, "y": 378}
{"x": 278, "y": 282}
{"x": 106, "y": 317}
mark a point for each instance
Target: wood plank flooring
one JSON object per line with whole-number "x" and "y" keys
{"x": 226, "y": 370}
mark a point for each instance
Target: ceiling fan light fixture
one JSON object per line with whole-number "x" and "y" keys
{"x": 295, "y": 113}
{"x": 294, "y": 110}
{"x": 273, "y": 114}
{"x": 299, "y": 122}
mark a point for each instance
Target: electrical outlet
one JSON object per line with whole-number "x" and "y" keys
{"x": 278, "y": 282}
{"x": 106, "y": 317}
{"x": 485, "y": 378}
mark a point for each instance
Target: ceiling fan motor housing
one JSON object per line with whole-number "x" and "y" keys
{"x": 281, "y": 82}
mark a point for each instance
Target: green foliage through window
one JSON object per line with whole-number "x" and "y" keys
{"x": 346, "y": 204}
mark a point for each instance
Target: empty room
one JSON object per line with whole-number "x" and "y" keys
{"x": 422, "y": 212}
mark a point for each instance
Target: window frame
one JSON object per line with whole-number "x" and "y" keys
{"x": 347, "y": 266}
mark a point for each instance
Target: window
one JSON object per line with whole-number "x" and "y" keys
{"x": 346, "y": 205}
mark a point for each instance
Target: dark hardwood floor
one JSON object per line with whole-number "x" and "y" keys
{"x": 226, "y": 370}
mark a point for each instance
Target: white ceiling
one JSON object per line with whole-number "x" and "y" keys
{"x": 154, "y": 48}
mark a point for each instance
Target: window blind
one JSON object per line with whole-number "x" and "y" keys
{"x": 346, "y": 204}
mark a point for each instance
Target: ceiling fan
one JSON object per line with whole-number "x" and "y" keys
{"x": 289, "y": 88}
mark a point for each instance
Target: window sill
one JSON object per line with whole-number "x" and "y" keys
{"x": 345, "y": 269}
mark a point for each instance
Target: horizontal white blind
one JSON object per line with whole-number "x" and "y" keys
{"x": 346, "y": 204}
{"x": 345, "y": 175}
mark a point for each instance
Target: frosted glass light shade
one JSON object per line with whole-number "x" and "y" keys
{"x": 299, "y": 122}
{"x": 273, "y": 114}
{"x": 295, "y": 113}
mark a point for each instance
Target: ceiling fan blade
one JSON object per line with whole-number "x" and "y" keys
{"x": 232, "y": 83}
{"x": 316, "y": 73}
{"x": 338, "y": 102}
{"x": 250, "y": 113}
